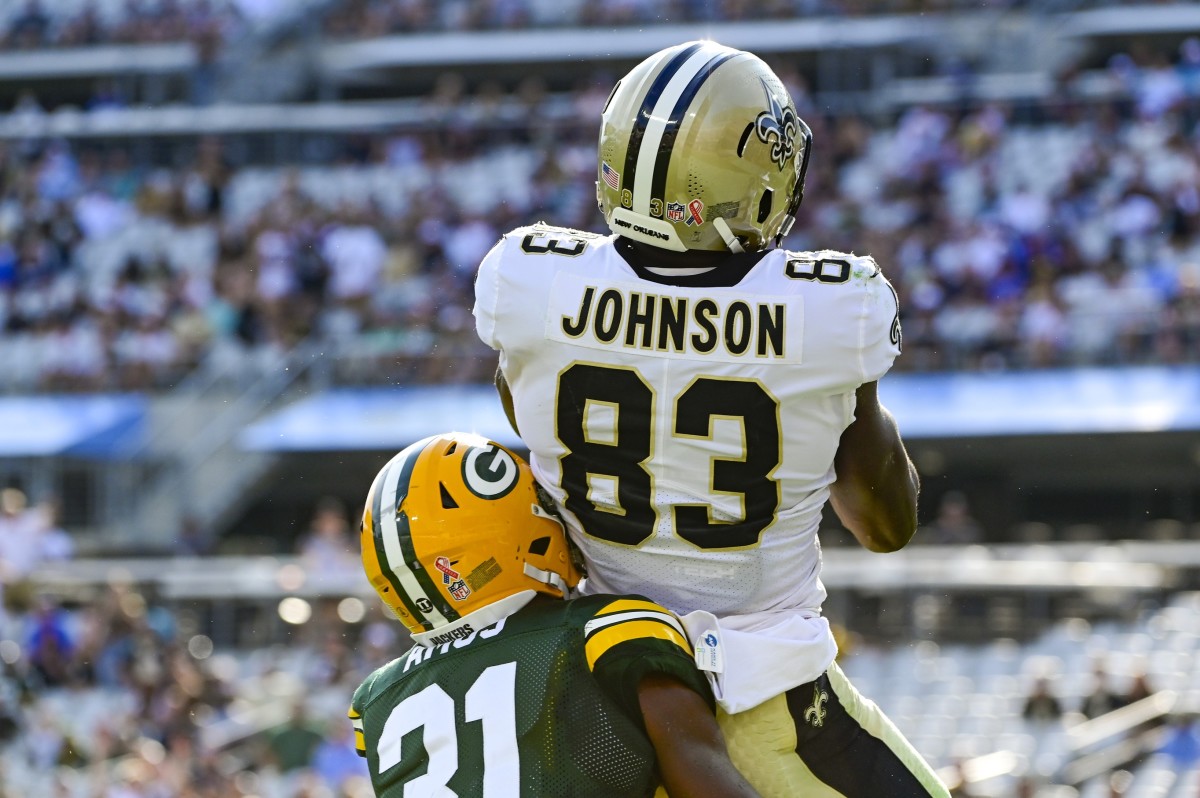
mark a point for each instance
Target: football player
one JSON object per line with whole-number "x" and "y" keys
{"x": 692, "y": 395}
{"x": 509, "y": 690}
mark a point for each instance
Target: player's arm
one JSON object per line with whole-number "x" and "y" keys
{"x": 875, "y": 494}
{"x": 639, "y": 654}
{"x": 692, "y": 759}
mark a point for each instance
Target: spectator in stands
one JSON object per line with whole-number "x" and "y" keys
{"x": 293, "y": 745}
{"x": 336, "y": 761}
{"x": 20, "y": 535}
{"x": 1181, "y": 742}
{"x": 55, "y": 543}
{"x": 355, "y": 253}
{"x": 193, "y": 539}
{"x": 1139, "y": 687}
{"x": 1101, "y": 700}
{"x": 51, "y": 648}
{"x": 1042, "y": 706}
{"x": 954, "y": 525}
{"x": 329, "y": 544}
{"x": 31, "y": 27}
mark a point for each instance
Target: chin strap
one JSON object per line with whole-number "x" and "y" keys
{"x": 730, "y": 239}
{"x": 784, "y": 229}
{"x": 547, "y": 578}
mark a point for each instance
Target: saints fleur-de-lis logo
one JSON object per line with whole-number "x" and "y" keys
{"x": 815, "y": 714}
{"x": 777, "y": 127}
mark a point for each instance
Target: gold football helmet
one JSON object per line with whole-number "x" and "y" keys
{"x": 701, "y": 148}
{"x": 454, "y": 537}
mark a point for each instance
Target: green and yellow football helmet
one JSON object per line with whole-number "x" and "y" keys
{"x": 701, "y": 148}
{"x": 454, "y": 537}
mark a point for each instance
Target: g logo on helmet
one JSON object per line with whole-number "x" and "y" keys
{"x": 490, "y": 472}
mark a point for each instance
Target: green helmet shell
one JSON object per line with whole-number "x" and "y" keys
{"x": 701, "y": 148}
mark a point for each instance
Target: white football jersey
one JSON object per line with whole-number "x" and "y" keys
{"x": 687, "y": 432}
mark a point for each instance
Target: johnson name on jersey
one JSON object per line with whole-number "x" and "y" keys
{"x": 686, "y": 417}
{"x": 544, "y": 702}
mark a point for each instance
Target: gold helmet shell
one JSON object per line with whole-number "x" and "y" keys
{"x": 453, "y": 533}
{"x": 701, "y": 148}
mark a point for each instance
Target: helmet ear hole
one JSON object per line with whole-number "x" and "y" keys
{"x": 448, "y": 502}
{"x": 540, "y": 546}
{"x": 764, "y": 205}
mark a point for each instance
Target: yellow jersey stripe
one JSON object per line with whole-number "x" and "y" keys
{"x": 601, "y": 621}
{"x": 614, "y": 635}
{"x": 360, "y": 741}
{"x": 353, "y": 714}
{"x": 624, "y": 605}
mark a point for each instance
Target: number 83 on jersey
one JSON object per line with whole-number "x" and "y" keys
{"x": 606, "y": 419}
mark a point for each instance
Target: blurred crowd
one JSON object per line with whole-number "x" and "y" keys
{"x": 1062, "y": 234}
{"x": 34, "y": 24}
{"x": 38, "y": 24}
{"x": 109, "y": 692}
{"x": 365, "y": 18}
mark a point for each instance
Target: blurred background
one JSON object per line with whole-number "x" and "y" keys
{"x": 237, "y": 243}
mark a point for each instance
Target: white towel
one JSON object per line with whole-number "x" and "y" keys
{"x": 752, "y": 658}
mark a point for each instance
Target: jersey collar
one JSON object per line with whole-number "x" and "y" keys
{"x": 729, "y": 271}
{"x": 479, "y": 619}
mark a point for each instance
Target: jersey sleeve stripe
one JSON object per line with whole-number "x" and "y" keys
{"x": 605, "y": 639}
{"x": 608, "y": 620}
{"x": 360, "y": 742}
{"x": 353, "y": 714}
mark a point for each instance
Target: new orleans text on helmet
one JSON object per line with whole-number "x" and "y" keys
{"x": 679, "y": 324}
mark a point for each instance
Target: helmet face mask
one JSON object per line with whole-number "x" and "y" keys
{"x": 452, "y": 528}
{"x": 701, "y": 148}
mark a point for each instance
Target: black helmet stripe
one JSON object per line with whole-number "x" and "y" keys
{"x": 658, "y": 184}
{"x": 406, "y": 543}
{"x": 648, "y": 102}
{"x": 385, "y": 565}
{"x": 658, "y": 117}
{"x": 415, "y": 581}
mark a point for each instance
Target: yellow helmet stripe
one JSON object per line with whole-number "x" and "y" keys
{"x": 614, "y": 635}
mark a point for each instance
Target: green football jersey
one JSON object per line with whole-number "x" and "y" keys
{"x": 542, "y": 703}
